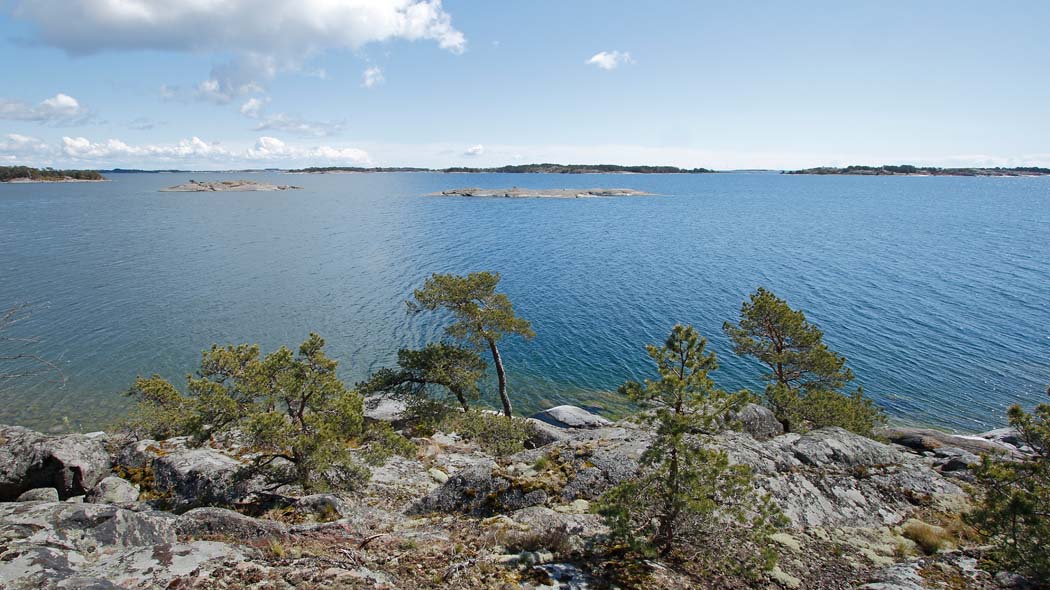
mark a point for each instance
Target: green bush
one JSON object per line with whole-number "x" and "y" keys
{"x": 496, "y": 434}
{"x": 1014, "y": 512}
{"x": 297, "y": 419}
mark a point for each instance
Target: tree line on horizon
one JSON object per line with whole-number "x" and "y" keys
{"x": 9, "y": 173}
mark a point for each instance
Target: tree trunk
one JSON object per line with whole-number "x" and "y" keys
{"x": 501, "y": 374}
{"x": 669, "y": 518}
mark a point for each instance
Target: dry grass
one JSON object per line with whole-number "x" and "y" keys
{"x": 929, "y": 538}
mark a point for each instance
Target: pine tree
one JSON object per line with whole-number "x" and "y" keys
{"x": 689, "y": 495}
{"x": 482, "y": 316}
{"x": 805, "y": 377}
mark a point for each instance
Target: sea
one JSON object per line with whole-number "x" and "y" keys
{"x": 937, "y": 289}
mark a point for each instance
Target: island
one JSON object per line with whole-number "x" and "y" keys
{"x": 909, "y": 170}
{"x": 541, "y": 193}
{"x": 26, "y": 174}
{"x": 194, "y": 186}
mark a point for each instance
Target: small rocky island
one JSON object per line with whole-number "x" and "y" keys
{"x": 195, "y": 186}
{"x": 909, "y": 170}
{"x": 541, "y": 193}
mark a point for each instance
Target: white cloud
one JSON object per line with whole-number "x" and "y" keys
{"x": 287, "y": 28}
{"x": 372, "y": 77}
{"x": 475, "y": 150}
{"x": 60, "y": 109}
{"x": 610, "y": 60}
{"x": 187, "y": 153}
{"x": 292, "y": 124}
{"x": 253, "y": 107}
{"x": 273, "y": 149}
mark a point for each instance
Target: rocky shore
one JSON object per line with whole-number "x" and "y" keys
{"x": 101, "y": 511}
{"x": 541, "y": 193}
{"x": 194, "y": 186}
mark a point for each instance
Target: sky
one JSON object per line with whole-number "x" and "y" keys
{"x": 221, "y": 84}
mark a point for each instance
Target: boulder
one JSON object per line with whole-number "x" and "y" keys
{"x": 203, "y": 522}
{"x": 39, "y": 495}
{"x": 758, "y": 421}
{"x": 72, "y": 463}
{"x": 928, "y": 439}
{"x": 84, "y": 528}
{"x": 113, "y": 490}
{"x": 323, "y": 507}
{"x": 199, "y": 477}
{"x": 544, "y": 434}
{"x": 478, "y": 491}
{"x": 571, "y": 417}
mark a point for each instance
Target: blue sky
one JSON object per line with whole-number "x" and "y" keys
{"x": 254, "y": 83}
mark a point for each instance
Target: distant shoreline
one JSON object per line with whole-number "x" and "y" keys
{"x": 45, "y": 181}
{"x": 908, "y": 170}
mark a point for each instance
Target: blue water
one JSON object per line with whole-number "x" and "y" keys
{"x": 936, "y": 289}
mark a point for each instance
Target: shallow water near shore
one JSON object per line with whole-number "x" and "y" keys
{"x": 937, "y": 289}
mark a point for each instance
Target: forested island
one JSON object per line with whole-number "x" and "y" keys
{"x": 909, "y": 170}
{"x": 26, "y": 174}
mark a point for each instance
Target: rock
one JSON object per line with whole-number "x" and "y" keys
{"x": 571, "y": 417}
{"x": 784, "y": 579}
{"x": 1004, "y": 436}
{"x": 199, "y": 477}
{"x": 477, "y": 491}
{"x": 202, "y": 522}
{"x": 71, "y": 463}
{"x": 437, "y": 475}
{"x": 194, "y": 186}
{"x": 85, "y": 528}
{"x": 954, "y": 459}
{"x": 385, "y": 409}
{"x": 758, "y": 421}
{"x": 832, "y": 477}
{"x": 786, "y": 540}
{"x": 544, "y": 434}
{"x": 113, "y": 490}
{"x": 565, "y": 576}
{"x": 323, "y": 507}
{"x": 928, "y": 439}
{"x": 903, "y": 576}
{"x": 39, "y": 495}
{"x": 543, "y": 519}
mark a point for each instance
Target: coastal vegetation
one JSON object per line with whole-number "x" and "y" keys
{"x": 482, "y": 317}
{"x": 689, "y": 500}
{"x": 25, "y": 173}
{"x": 291, "y": 409}
{"x": 805, "y": 379}
{"x": 909, "y": 170}
{"x": 1014, "y": 514}
{"x": 273, "y": 462}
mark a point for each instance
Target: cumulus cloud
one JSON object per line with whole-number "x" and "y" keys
{"x": 192, "y": 152}
{"x": 264, "y": 36}
{"x": 610, "y": 60}
{"x": 475, "y": 150}
{"x": 271, "y": 148}
{"x": 372, "y": 76}
{"x": 60, "y": 109}
{"x": 15, "y": 148}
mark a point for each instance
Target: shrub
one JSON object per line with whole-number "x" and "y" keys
{"x": 495, "y": 434}
{"x": 929, "y": 538}
{"x": 1014, "y": 513}
{"x": 292, "y": 411}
